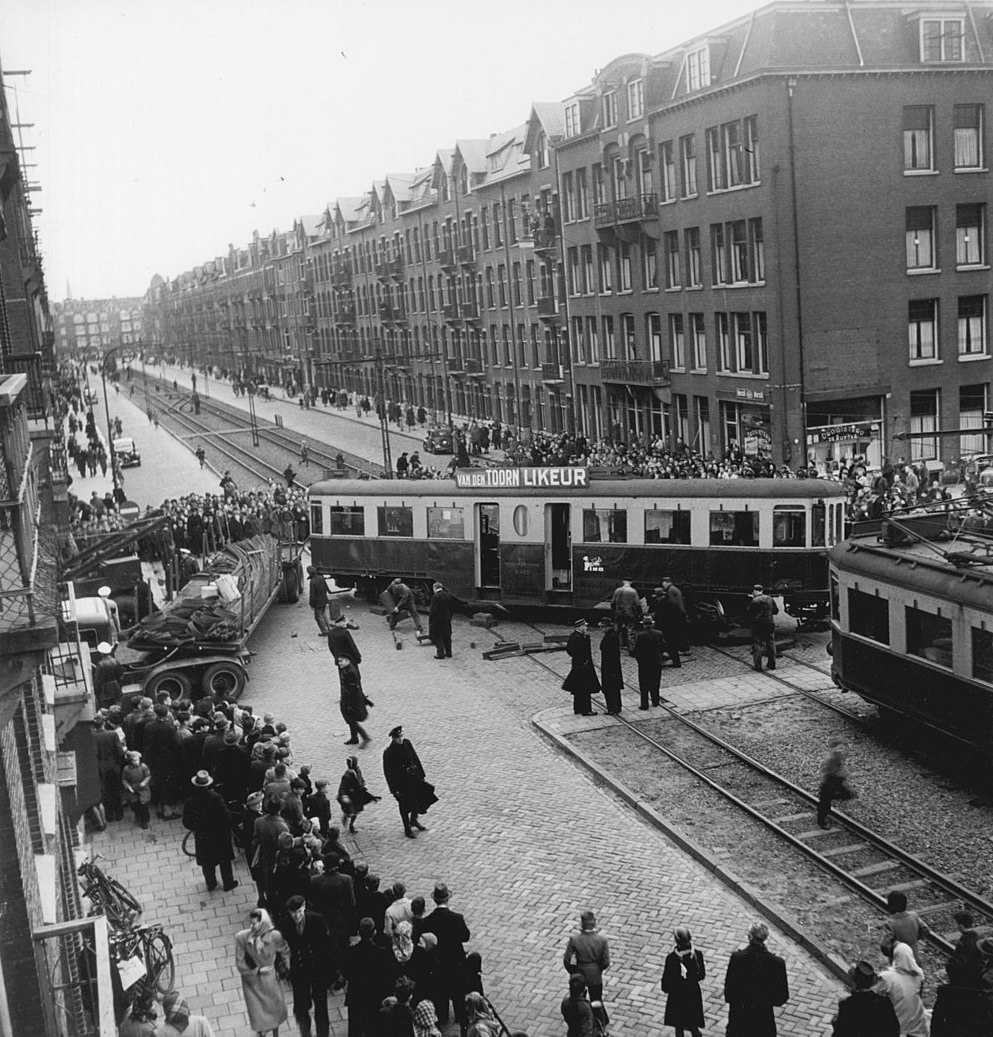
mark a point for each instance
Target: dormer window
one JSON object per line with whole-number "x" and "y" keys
{"x": 942, "y": 39}
{"x": 698, "y": 69}
{"x": 544, "y": 157}
{"x": 609, "y": 109}
{"x": 572, "y": 119}
{"x": 636, "y": 99}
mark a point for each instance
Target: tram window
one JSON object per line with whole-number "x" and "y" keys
{"x": 667, "y": 527}
{"x": 349, "y": 522}
{"x": 789, "y": 527}
{"x": 982, "y": 655}
{"x": 818, "y": 524}
{"x": 835, "y": 599}
{"x": 734, "y": 529}
{"x": 869, "y": 616}
{"x": 446, "y": 524}
{"x": 608, "y": 526}
{"x": 316, "y": 519}
{"x": 929, "y": 636}
{"x": 396, "y": 522}
{"x": 521, "y": 520}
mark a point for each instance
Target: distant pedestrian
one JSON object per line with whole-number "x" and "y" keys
{"x": 406, "y": 781}
{"x": 649, "y": 650}
{"x": 403, "y": 602}
{"x": 671, "y": 617}
{"x": 304, "y": 453}
{"x": 611, "y": 676}
{"x": 440, "y": 621}
{"x": 290, "y": 476}
{"x": 588, "y": 953}
{"x": 834, "y": 782}
{"x": 108, "y": 675}
{"x": 319, "y": 599}
{"x": 760, "y": 612}
{"x": 865, "y": 1013}
{"x": 582, "y": 680}
{"x": 353, "y": 703}
{"x": 682, "y": 974}
{"x": 256, "y": 951}
{"x": 906, "y": 926}
{"x": 625, "y": 608}
{"x": 754, "y": 985}
{"x": 206, "y": 815}
{"x": 201, "y": 456}
{"x": 136, "y": 779}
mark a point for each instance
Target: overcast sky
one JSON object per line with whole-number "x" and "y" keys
{"x": 165, "y": 131}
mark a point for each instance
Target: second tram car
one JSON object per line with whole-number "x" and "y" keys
{"x": 912, "y": 623}
{"x": 552, "y": 537}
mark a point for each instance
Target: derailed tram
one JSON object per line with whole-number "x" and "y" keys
{"x": 912, "y": 623}
{"x": 553, "y": 538}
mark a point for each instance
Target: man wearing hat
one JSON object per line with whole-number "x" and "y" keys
{"x": 865, "y": 1011}
{"x": 650, "y": 650}
{"x": 405, "y": 779}
{"x": 452, "y": 933}
{"x": 206, "y": 815}
{"x": 760, "y": 612}
{"x": 440, "y": 611}
{"x": 582, "y": 680}
{"x": 625, "y": 607}
{"x": 311, "y": 965}
{"x": 341, "y": 642}
{"x": 107, "y": 676}
{"x": 319, "y": 599}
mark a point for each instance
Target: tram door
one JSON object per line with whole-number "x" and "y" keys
{"x": 558, "y": 550}
{"x": 488, "y": 548}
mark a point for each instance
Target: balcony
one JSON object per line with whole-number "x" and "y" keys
{"x": 455, "y": 365}
{"x": 345, "y": 315}
{"x": 626, "y": 210}
{"x": 341, "y": 275}
{"x": 551, "y": 374}
{"x": 447, "y": 257}
{"x": 452, "y": 312}
{"x": 466, "y": 255}
{"x": 545, "y": 238}
{"x": 548, "y": 308}
{"x": 34, "y": 396}
{"x": 389, "y": 269}
{"x": 635, "y": 372}
{"x": 474, "y": 367}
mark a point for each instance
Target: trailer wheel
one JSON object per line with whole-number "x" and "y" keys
{"x": 292, "y": 582}
{"x": 174, "y": 682}
{"x": 227, "y": 679}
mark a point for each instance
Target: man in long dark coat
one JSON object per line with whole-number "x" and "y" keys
{"x": 649, "y": 650}
{"x": 311, "y": 965}
{"x": 755, "y": 984}
{"x": 440, "y": 621}
{"x": 206, "y": 816}
{"x": 341, "y": 642}
{"x": 405, "y": 779}
{"x": 163, "y": 755}
{"x": 581, "y": 680}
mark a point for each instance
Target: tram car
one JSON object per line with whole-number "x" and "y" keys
{"x": 555, "y": 538}
{"x": 912, "y": 622}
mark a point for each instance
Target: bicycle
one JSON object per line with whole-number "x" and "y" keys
{"x": 108, "y": 896}
{"x": 153, "y": 948}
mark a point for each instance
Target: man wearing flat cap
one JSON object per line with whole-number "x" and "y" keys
{"x": 865, "y": 1011}
{"x": 319, "y": 599}
{"x": 311, "y": 964}
{"x": 405, "y": 779}
{"x": 760, "y": 612}
{"x": 206, "y": 816}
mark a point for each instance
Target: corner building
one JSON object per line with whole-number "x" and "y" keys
{"x": 776, "y": 236}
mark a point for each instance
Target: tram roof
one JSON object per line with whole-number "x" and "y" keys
{"x": 784, "y": 490}
{"x": 916, "y": 567}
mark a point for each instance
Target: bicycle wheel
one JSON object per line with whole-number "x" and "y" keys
{"x": 159, "y": 964}
{"x": 120, "y": 906}
{"x": 188, "y": 846}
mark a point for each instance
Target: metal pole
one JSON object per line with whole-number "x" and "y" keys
{"x": 384, "y": 427}
{"x": 255, "y": 424}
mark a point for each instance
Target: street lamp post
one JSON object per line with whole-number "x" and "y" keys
{"x": 110, "y": 430}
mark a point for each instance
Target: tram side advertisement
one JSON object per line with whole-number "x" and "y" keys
{"x": 558, "y": 478}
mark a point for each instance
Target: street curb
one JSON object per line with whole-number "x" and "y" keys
{"x": 789, "y": 925}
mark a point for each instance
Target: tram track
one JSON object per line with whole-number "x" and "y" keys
{"x": 864, "y": 862}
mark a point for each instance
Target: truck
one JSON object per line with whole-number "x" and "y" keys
{"x": 196, "y": 644}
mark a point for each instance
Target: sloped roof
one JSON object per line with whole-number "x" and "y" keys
{"x": 551, "y": 115}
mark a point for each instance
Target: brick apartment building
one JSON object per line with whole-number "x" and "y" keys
{"x": 46, "y": 757}
{"x": 772, "y": 238}
{"x": 92, "y": 326}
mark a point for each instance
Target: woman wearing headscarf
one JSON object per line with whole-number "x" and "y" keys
{"x": 426, "y": 1020}
{"x": 681, "y": 976}
{"x": 353, "y": 703}
{"x": 179, "y": 1022}
{"x": 136, "y": 779}
{"x": 901, "y": 982}
{"x": 256, "y": 949}
{"x": 352, "y": 792}
{"x": 482, "y": 1022}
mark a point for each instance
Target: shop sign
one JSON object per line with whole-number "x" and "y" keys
{"x": 487, "y": 478}
{"x": 758, "y": 395}
{"x": 842, "y": 433}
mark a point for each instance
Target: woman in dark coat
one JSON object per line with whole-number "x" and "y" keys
{"x": 352, "y": 792}
{"x": 610, "y": 670}
{"x": 582, "y": 680}
{"x": 681, "y": 976}
{"x": 353, "y": 702}
{"x": 206, "y": 816}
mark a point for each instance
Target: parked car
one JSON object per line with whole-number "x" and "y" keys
{"x": 438, "y": 441}
{"x": 127, "y": 453}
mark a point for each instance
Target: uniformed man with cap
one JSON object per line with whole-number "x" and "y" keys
{"x": 405, "y": 779}
{"x": 113, "y": 613}
{"x": 107, "y": 677}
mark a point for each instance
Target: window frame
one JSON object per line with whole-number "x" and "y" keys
{"x": 636, "y": 99}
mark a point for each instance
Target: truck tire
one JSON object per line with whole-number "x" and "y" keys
{"x": 225, "y": 678}
{"x": 175, "y": 682}
{"x": 292, "y": 581}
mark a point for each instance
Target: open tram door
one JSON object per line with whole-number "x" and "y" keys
{"x": 558, "y": 551}
{"x": 488, "y": 550}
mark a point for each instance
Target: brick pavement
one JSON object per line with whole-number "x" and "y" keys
{"x": 524, "y": 839}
